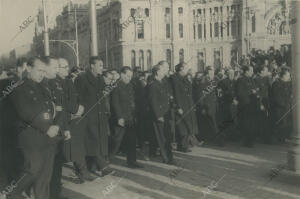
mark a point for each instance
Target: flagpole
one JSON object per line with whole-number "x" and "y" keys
{"x": 46, "y": 35}
{"x": 93, "y": 28}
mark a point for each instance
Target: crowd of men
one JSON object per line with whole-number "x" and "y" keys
{"x": 51, "y": 115}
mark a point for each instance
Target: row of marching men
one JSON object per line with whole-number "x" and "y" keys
{"x": 244, "y": 105}
{"x": 88, "y": 118}
{"x": 69, "y": 118}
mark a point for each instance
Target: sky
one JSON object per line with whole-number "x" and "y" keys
{"x": 14, "y": 12}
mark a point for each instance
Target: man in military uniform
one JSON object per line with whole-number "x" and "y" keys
{"x": 262, "y": 82}
{"x": 247, "y": 105}
{"x": 186, "y": 122}
{"x": 37, "y": 114}
{"x": 161, "y": 111}
{"x": 74, "y": 149}
{"x": 9, "y": 123}
{"x": 56, "y": 94}
{"x": 227, "y": 103}
{"x": 125, "y": 116}
{"x": 90, "y": 86}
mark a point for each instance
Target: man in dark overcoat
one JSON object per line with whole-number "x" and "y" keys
{"x": 90, "y": 86}
{"x": 246, "y": 92}
{"x": 160, "y": 104}
{"x": 281, "y": 106}
{"x": 124, "y": 111}
{"x": 186, "y": 122}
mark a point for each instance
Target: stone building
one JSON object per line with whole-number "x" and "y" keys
{"x": 200, "y": 32}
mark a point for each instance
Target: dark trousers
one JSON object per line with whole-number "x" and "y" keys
{"x": 247, "y": 123}
{"x": 128, "y": 133}
{"x": 182, "y": 141}
{"x": 55, "y": 184}
{"x": 95, "y": 163}
{"x": 38, "y": 172}
{"x": 164, "y": 138}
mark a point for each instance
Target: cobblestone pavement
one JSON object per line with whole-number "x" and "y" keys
{"x": 209, "y": 172}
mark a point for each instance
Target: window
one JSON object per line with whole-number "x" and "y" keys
{"x": 181, "y": 55}
{"x": 149, "y": 59}
{"x": 194, "y": 13}
{"x": 181, "y": 30}
{"x": 168, "y": 56}
{"x": 216, "y": 29}
{"x": 200, "y": 62}
{"x": 194, "y": 30}
{"x": 253, "y": 21}
{"x": 147, "y": 12}
{"x": 140, "y": 29}
{"x": 233, "y": 28}
{"x": 199, "y": 11}
{"x": 221, "y": 29}
{"x": 167, "y": 11}
{"x": 199, "y": 31}
{"x": 180, "y": 10}
{"x": 132, "y": 12}
{"x": 238, "y": 27}
{"x": 141, "y": 59}
{"x": 168, "y": 31}
{"x": 133, "y": 59}
{"x": 204, "y": 31}
{"x": 210, "y": 28}
{"x": 228, "y": 28}
{"x": 116, "y": 30}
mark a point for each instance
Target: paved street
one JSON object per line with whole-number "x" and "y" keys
{"x": 208, "y": 172}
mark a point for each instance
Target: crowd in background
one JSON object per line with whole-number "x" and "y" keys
{"x": 99, "y": 113}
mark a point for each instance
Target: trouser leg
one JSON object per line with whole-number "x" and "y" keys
{"x": 117, "y": 140}
{"x": 42, "y": 183}
{"x": 160, "y": 137}
{"x": 55, "y": 184}
{"x": 130, "y": 137}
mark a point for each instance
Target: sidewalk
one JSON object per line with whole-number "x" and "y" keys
{"x": 208, "y": 172}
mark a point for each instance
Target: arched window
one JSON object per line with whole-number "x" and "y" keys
{"x": 133, "y": 65}
{"x": 147, "y": 12}
{"x": 141, "y": 59}
{"x": 180, "y": 10}
{"x": 181, "y": 55}
{"x": 132, "y": 12}
{"x": 253, "y": 23}
{"x": 149, "y": 59}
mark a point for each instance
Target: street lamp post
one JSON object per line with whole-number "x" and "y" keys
{"x": 293, "y": 158}
{"x": 46, "y": 34}
{"x": 76, "y": 38}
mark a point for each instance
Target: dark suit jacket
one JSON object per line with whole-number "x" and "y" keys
{"x": 244, "y": 88}
{"x": 95, "y": 118}
{"x": 159, "y": 98}
{"x": 123, "y": 102}
{"x": 183, "y": 98}
{"x": 36, "y": 112}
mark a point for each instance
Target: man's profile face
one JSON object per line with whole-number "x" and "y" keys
{"x": 63, "y": 70}
{"x": 127, "y": 76}
{"x": 37, "y": 72}
{"x": 98, "y": 67}
{"x": 249, "y": 73}
{"x": 51, "y": 69}
{"x": 108, "y": 79}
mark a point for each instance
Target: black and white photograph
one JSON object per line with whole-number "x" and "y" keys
{"x": 149, "y": 99}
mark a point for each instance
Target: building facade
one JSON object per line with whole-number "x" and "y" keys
{"x": 200, "y": 32}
